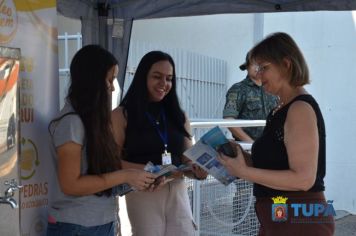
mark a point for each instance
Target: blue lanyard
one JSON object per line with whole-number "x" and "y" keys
{"x": 163, "y": 135}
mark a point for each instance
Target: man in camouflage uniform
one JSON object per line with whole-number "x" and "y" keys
{"x": 247, "y": 100}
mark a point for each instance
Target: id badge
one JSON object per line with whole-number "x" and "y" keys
{"x": 166, "y": 158}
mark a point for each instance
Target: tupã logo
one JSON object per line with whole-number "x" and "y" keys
{"x": 279, "y": 209}
{"x": 303, "y": 213}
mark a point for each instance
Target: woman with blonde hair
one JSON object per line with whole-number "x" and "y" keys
{"x": 289, "y": 158}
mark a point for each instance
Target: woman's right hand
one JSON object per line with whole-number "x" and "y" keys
{"x": 234, "y": 165}
{"x": 139, "y": 179}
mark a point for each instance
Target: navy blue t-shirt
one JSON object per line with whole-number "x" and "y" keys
{"x": 143, "y": 143}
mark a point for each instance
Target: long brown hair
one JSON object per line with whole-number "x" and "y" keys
{"x": 88, "y": 94}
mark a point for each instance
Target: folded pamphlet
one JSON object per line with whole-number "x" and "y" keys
{"x": 159, "y": 170}
{"x": 205, "y": 153}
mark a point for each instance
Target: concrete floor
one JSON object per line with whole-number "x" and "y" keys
{"x": 345, "y": 224}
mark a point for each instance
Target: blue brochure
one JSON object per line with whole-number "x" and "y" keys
{"x": 205, "y": 152}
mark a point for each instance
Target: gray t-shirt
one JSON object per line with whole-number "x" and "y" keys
{"x": 88, "y": 210}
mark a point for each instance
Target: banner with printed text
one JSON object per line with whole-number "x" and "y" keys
{"x": 31, "y": 25}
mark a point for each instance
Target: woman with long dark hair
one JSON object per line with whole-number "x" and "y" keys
{"x": 85, "y": 153}
{"x": 150, "y": 126}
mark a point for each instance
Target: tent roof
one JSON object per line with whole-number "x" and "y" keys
{"x": 138, "y": 9}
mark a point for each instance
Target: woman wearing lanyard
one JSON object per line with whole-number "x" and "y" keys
{"x": 149, "y": 125}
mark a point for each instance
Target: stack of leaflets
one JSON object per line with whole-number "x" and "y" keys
{"x": 159, "y": 170}
{"x": 205, "y": 152}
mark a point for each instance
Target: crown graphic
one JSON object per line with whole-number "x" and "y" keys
{"x": 279, "y": 200}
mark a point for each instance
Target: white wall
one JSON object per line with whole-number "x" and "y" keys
{"x": 66, "y": 24}
{"x": 71, "y": 27}
{"x": 226, "y": 37}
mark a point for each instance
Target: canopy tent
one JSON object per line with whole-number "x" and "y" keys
{"x": 328, "y": 45}
{"x": 115, "y": 33}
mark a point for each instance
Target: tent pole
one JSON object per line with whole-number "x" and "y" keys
{"x": 124, "y": 45}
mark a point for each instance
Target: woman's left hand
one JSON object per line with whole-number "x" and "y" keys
{"x": 176, "y": 175}
{"x": 159, "y": 183}
{"x": 198, "y": 172}
{"x": 236, "y": 166}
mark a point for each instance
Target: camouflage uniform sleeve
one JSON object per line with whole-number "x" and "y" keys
{"x": 234, "y": 102}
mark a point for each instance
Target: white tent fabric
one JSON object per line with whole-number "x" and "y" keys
{"x": 138, "y": 9}
{"x": 94, "y": 14}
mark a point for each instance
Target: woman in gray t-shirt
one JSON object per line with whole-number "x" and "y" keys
{"x": 87, "y": 162}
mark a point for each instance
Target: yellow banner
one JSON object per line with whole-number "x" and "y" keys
{"x": 32, "y": 26}
{"x": 32, "y": 5}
